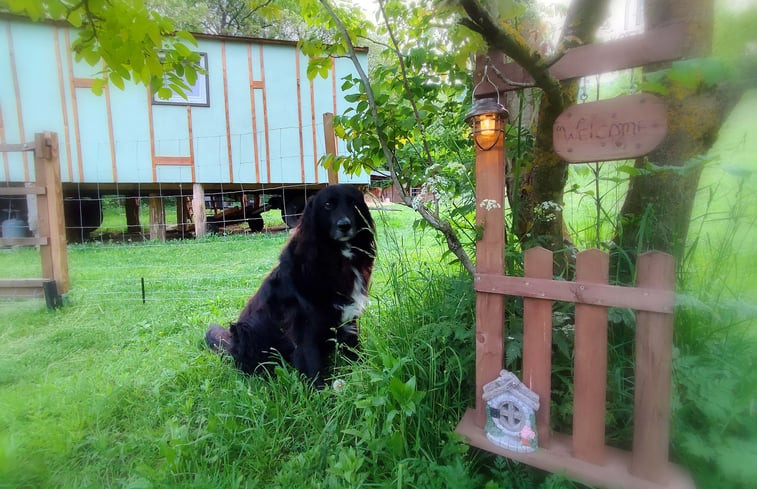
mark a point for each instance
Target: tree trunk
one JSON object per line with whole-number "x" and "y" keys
{"x": 657, "y": 209}
{"x": 538, "y": 203}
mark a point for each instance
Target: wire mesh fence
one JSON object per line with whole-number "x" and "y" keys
{"x": 114, "y": 258}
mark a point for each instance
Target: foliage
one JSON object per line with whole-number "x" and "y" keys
{"x": 278, "y": 19}
{"x": 687, "y": 75}
{"x": 409, "y": 121}
{"x": 131, "y": 42}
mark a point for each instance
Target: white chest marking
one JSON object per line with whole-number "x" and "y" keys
{"x": 347, "y": 253}
{"x": 359, "y": 300}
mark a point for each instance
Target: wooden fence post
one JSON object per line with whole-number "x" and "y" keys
{"x": 157, "y": 217}
{"x": 330, "y": 138}
{"x": 131, "y": 208}
{"x": 490, "y": 258}
{"x": 198, "y": 210}
{"x": 50, "y": 221}
{"x": 590, "y": 377}
{"x": 537, "y": 340}
{"x": 654, "y": 346}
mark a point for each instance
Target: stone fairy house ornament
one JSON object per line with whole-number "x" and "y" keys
{"x": 511, "y": 413}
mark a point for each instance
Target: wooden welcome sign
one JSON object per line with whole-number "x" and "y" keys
{"x": 615, "y": 129}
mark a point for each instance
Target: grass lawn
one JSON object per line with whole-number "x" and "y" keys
{"x": 113, "y": 392}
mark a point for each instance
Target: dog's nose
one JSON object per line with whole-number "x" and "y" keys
{"x": 344, "y": 224}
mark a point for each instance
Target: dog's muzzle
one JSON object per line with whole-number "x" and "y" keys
{"x": 343, "y": 229}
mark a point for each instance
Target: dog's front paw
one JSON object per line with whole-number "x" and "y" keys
{"x": 218, "y": 338}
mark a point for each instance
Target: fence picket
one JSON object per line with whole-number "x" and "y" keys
{"x": 537, "y": 340}
{"x": 653, "y": 366}
{"x": 590, "y": 376}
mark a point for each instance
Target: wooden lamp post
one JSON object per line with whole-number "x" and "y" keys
{"x": 487, "y": 120}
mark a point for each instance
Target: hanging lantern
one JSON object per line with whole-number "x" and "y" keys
{"x": 487, "y": 120}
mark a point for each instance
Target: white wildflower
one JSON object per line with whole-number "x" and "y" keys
{"x": 489, "y": 204}
{"x": 339, "y": 385}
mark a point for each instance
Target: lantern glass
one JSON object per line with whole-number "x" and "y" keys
{"x": 486, "y": 131}
{"x": 486, "y": 119}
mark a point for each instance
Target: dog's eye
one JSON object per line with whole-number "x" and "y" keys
{"x": 328, "y": 206}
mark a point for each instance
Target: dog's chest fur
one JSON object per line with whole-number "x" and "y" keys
{"x": 358, "y": 299}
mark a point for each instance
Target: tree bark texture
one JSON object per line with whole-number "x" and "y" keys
{"x": 537, "y": 201}
{"x": 657, "y": 209}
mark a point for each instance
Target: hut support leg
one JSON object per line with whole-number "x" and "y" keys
{"x": 198, "y": 210}
{"x": 157, "y": 218}
{"x": 131, "y": 208}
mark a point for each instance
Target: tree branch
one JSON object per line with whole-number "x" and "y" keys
{"x": 506, "y": 39}
{"x": 453, "y": 243}
{"x": 408, "y": 92}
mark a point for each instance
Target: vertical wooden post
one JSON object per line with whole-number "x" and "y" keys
{"x": 654, "y": 346}
{"x": 157, "y": 217}
{"x": 182, "y": 216}
{"x": 31, "y": 207}
{"x": 198, "y": 210}
{"x": 537, "y": 341}
{"x": 590, "y": 377}
{"x": 50, "y": 210}
{"x": 131, "y": 208}
{"x": 490, "y": 258}
{"x": 330, "y": 137}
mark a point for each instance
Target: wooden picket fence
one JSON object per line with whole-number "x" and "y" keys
{"x": 51, "y": 237}
{"x": 584, "y": 456}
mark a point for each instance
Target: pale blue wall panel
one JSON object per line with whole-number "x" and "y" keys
{"x": 38, "y": 81}
{"x": 131, "y": 132}
{"x": 9, "y": 110}
{"x": 67, "y": 138}
{"x": 170, "y": 130}
{"x": 308, "y": 124}
{"x": 174, "y": 174}
{"x": 240, "y": 115}
{"x": 260, "y": 129}
{"x": 324, "y": 103}
{"x": 95, "y": 140}
{"x": 209, "y": 123}
{"x": 283, "y": 124}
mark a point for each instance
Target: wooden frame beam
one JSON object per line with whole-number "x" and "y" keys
{"x": 642, "y": 299}
{"x": 654, "y": 46}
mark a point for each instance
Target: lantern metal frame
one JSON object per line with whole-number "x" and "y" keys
{"x": 486, "y": 109}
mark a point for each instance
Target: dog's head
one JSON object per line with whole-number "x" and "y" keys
{"x": 338, "y": 212}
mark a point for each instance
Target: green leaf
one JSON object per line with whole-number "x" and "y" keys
{"x": 97, "y": 86}
{"x": 116, "y": 80}
{"x": 164, "y": 93}
{"x": 186, "y": 36}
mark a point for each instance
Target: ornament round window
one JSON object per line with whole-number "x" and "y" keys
{"x": 511, "y": 417}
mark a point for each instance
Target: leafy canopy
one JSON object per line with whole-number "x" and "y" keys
{"x": 125, "y": 39}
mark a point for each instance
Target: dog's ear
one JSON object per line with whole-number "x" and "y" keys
{"x": 309, "y": 202}
{"x": 307, "y": 219}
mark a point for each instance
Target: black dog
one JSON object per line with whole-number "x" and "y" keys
{"x": 310, "y": 301}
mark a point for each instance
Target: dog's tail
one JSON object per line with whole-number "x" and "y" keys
{"x": 218, "y": 338}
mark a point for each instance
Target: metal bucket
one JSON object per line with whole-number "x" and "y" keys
{"x": 14, "y": 228}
